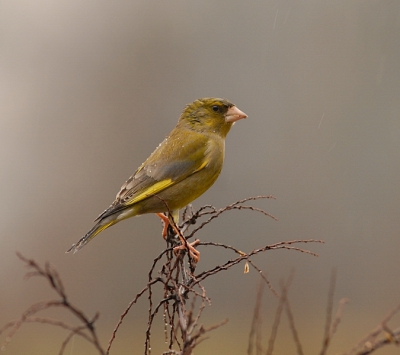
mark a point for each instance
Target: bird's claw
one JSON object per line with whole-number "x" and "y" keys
{"x": 190, "y": 247}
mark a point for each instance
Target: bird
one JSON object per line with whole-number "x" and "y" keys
{"x": 184, "y": 165}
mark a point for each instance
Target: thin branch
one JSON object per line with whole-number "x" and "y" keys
{"x": 338, "y": 317}
{"x": 175, "y": 273}
{"x": 234, "y": 206}
{"x": 127, "y": 309}
{"x": 275, "y": 293}
{"x": 293, "y": 328}
{"x": 244, "y": 256}
{"x": 328, "y": 320}
{"x": 255, "y": 330}
{"x": 282, "y": 300}
{"x": 369, "y": 343}
{"x": 51, "y": 275}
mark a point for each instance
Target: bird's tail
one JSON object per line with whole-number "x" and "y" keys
{"x": 98, "y": 227}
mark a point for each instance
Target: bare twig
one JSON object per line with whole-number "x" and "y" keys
{"x": 179, "y": 284}
{"x": 214, "y": 213}
{"x": 328, "y": 320}
{"x": 370, "y": 342}
{"x": 264, "y": 278}
{"x": 54, "y": 279}
{"x": 245, "y": 256}
{"x": 338, "y": 317}
{"x": 255, "y": 330}
{"x": 293, "y": 328}
{"x": 282, "y": 300}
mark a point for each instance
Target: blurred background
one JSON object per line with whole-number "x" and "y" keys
{"x": 89, "y": 89}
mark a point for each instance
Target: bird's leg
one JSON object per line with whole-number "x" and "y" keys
{"x": 195, "y": 254}
{"x": 165, "y": 219}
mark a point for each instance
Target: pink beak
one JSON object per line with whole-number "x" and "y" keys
{"x": 234, "y": 114}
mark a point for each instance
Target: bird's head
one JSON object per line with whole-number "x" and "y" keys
{"x": 211, "y": 115}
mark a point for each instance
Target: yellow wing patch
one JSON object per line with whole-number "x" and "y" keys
{"x": 158, "y": 187}
{"x": 205, "y": 162}
{"x": 152, "y": 190}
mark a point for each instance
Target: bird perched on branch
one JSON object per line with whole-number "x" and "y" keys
{"x": 182, "y": 168}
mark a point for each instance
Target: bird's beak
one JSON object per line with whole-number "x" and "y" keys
{"x": 234, "y": 114}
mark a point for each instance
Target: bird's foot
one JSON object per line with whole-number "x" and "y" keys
{"x": 193, "y": 252}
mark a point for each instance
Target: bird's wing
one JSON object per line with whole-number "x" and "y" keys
{"x": 171, "y": 162}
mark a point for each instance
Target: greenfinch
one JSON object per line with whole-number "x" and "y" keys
{"x": 182, "y": 168}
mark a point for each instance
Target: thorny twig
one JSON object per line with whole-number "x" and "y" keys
{"x": 255, "y": 330}
{"x": 328, "y": 321}
{"x": 376, "y": 339}
{"x": 293, "y": 328}
{"x": 331, "y": 325}
{"x": 372, "y": 342}
{"x": 179, "y": 283}
{"x": 282, "y": 300}
{"x": 53, "y": 278}
{"x": 214, "y": 213}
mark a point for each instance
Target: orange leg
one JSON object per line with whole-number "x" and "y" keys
{"x": 165, "y": 219}
{"x": 195, "y": 254}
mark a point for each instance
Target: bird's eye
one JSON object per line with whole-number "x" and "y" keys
{"x": 215, "y": 108}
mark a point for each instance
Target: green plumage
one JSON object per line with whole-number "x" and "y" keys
{"x": 182, "y": 167}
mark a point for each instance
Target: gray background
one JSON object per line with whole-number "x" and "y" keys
{"x": 89, "y": 89}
